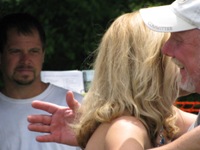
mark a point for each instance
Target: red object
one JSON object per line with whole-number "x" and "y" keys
{"x": 192, "y": 107}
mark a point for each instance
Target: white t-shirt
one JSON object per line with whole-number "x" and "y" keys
{"x": 196, "y": 123}
{"x": 14, "y": 134}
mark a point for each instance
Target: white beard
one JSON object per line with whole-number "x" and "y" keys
{"x": 188, "y": 85}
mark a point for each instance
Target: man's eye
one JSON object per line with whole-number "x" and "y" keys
{"x": 14, "y": 51}
{"x": 35, "y": 51}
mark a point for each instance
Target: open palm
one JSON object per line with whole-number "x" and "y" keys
{"x": 57, "y": 123}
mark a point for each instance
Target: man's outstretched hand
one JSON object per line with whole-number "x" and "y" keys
{"x": 56, "y": 124}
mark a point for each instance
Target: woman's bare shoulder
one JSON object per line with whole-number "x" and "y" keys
{"x": 122, "y": 133}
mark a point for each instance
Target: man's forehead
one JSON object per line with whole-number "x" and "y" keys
{"x": 186, "y": 33}
{"x": 15, "y": 30}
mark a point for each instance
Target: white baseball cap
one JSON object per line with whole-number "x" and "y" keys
{"x": 181, "y": 15}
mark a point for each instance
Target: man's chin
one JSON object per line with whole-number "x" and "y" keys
{"x": 186, "y": 83}
{"x": 24, "y": 82}
{"x": 188, "y": 86}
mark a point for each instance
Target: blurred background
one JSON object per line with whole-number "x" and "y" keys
{"x": 74, "y": 27}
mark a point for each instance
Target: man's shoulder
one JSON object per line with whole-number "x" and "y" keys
{"x": 60, "y": 91}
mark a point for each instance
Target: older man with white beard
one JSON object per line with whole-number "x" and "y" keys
{"x": 182, "y": 19}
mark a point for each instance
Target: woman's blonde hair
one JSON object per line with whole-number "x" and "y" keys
{"x": 131, "y": 75}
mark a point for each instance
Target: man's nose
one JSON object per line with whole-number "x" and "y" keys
{"x": 167, "y": 50}
{"x": 24, "y": 57}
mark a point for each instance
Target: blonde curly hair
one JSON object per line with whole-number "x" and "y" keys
{"x": 130, "y": 75}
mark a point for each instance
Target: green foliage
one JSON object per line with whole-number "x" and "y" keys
{"x": 73, "y": 27}
{"x": 192, "y": 97}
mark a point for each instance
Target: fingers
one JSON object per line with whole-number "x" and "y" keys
{"x": 49, "y": 107}
{"x": 39, "y": 128}
{"x": 45, "y": 138}
{"x": 44, "y": 119}
{"x": 71, "y": 102}
{"x": 39, "y": 123}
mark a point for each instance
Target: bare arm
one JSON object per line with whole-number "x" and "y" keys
{"x": 188, "y": 141}
{"x": 126, "y": 133}
{"x": 185, "y": 140}
{"x": 184, "y": 121}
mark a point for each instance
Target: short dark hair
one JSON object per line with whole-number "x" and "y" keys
{"x": 24, "y": 23}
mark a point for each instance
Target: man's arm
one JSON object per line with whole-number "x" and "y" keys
{"x": 188, "y": 141}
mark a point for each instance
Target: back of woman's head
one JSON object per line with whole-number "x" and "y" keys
{"x": 129, "y": 76}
